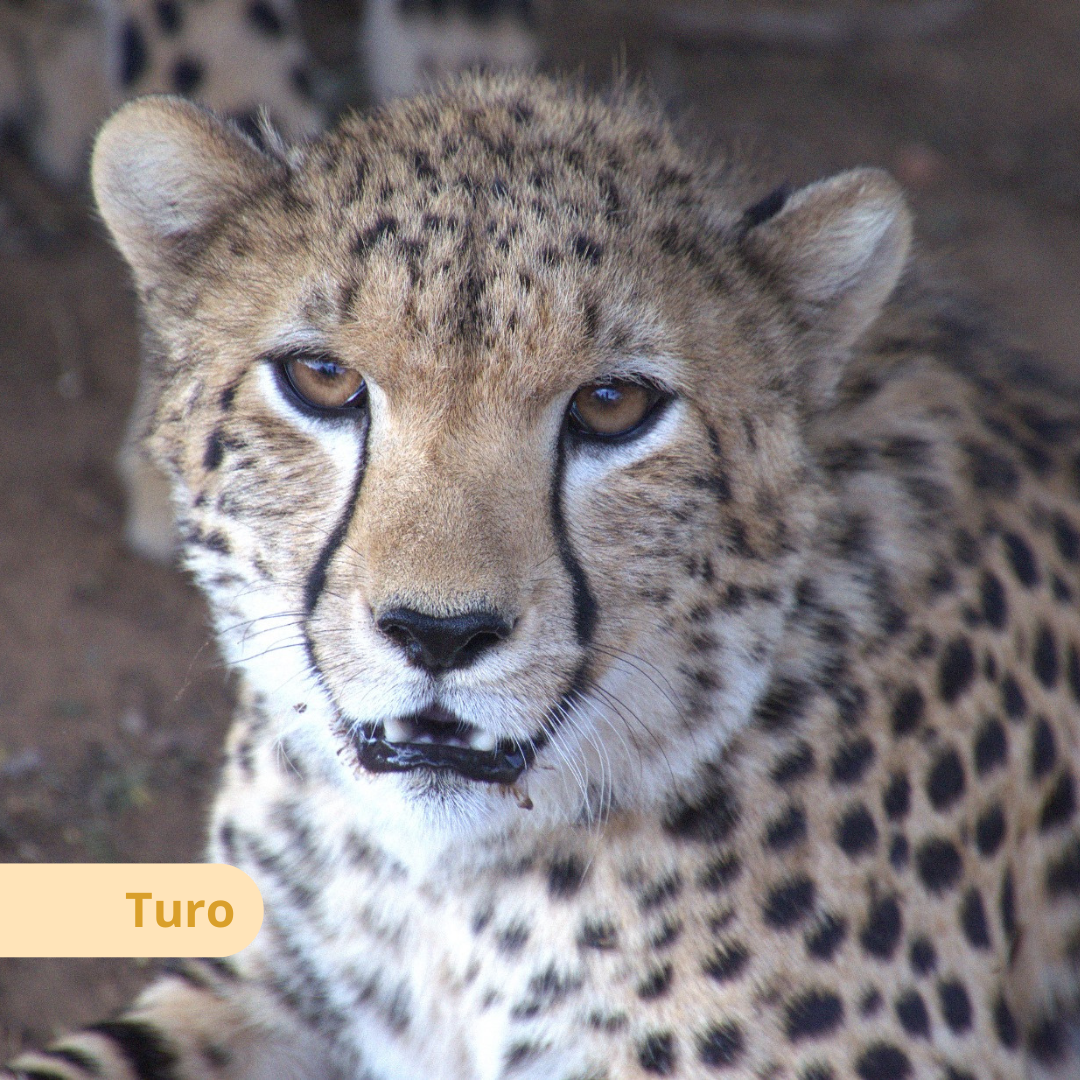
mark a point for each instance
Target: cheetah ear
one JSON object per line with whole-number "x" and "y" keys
{"x": 163, "y": 171}
{"x": 835, "y": 251}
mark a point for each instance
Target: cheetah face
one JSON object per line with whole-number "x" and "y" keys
{"x": 486, "y": 421}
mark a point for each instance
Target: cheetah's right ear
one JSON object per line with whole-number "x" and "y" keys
{"x": 165, "y": 170}
{"x": 834, "y": 251}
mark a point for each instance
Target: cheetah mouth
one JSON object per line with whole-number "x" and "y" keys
{"x": 437, "y": 739}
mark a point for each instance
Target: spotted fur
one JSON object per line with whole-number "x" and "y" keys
{"x": 797, "y": 661}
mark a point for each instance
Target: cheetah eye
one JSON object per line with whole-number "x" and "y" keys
{"x": 612, "y": 407}
{"x": 321, "y": 383}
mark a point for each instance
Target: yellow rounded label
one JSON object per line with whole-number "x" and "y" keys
{"x": 126, "y": 909}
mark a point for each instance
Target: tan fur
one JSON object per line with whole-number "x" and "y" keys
{"x": 799, "y": 660}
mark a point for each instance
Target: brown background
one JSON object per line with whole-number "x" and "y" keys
{"x": 113, "y": 703}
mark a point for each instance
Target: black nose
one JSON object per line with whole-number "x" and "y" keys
{"x": 440, "y": 644}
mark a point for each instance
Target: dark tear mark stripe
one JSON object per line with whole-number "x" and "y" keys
{"x": 143, "y": 1047}
{"x": 584, "y": 603}
{"x": 316, "y": 578}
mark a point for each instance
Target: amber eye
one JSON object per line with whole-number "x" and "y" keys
{"x": 323, "y": 383}
{"x": 611, "y": 408}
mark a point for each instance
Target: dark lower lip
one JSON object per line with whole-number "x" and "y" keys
{"x": 503, "y": 765}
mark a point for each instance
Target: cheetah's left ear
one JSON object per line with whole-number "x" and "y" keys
{"x": 834, "y": 251}
{"x": 163, "y": 172}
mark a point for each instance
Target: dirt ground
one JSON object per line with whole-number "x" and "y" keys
{"x": 113, "y": 703}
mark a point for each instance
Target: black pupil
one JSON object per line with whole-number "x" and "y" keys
{"x": 326, "y": 370}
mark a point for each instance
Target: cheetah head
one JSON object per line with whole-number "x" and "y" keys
{"x": 486, "y": 421}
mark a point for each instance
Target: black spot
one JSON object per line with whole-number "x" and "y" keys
{"x": 656, "y": 1053}
{"x": 1044, "y": 661}
{"x": 384, "y": 225}
{"x": 785, "y": 702}
{"x": 908, "y": 710}
{"x": 813, "y": 1014}
{"x": 1007, "y": 907}
{"x": 511, "y": 939}
{"x": 953, "y": 1073}
{"x": 912, "y": 1013}
{"x": 956, "y": 670}
{"x": 134, "y": 56}
{"x": 1021, "y": 560}
{"x": 995, "y": 609}
{"x": 922, "y": 956}
{"x": 990, "y": 831}
{"x": 1043, "y": 749}
{"x": 817, "y": 1071}
{"x": 659, "y": 892}
{"x": 871, "y": 1002}
{"x": 973, "y": 919}
{"x": 1072, "y": 671}
{"x": 787, "y": 829}
{"x": 939, "y": 864}
{"x": 1067, "y": 538}
{"x": 899, "y": 851}
{"x": 667, "y": 934}
{"x": 169, "y": 16}
{"x": 1012, "y": 699}
{"x": 945, "y": 780}
{"x": 897, "y": 797}
{"x": 518, "y": 1053}
{"x": 721, "y": 1044}
{"x": 187, "y": 75}
{"x": 789, "y": 903}
{"x": 823, "y": 939}
{"x": 880, "y": 934}
{"x": 212, "y": 541}
{"x": 656, "y": 983}
{"x": 856, "y": 834}
{"x": 883, "y": 1061}
{"x": 794, "y": 765}
{"x": 565, "y": 875}
{"x": 991, "y": 746}
{"x": 1061, "y": 590}
{"x": 1005, "y": 1024}
{"x": 142, "y": 1046}
{"x": 852, "y": 760}
{"x": 727, "y": 961}
{"x": 265, "y": 19}
{"x": 587, "y": 249}
{"x": 1059, "y": 805}
{"x": 955, "y": 1005}
{"x": 710, "y": 819}
{"x": 214, "y": 451}
{"x": 1048, "y": 1040}
{"x": 300, "y": 78}
{"x": 720, "y": 872}
{"x": 992, "y": 472}
{"x": 598, "y": 934}
{"x": 1063, "y": 872}
{"x": 966, "y": 547}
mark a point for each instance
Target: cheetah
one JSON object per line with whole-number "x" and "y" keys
{"x": 654, "y": 608}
